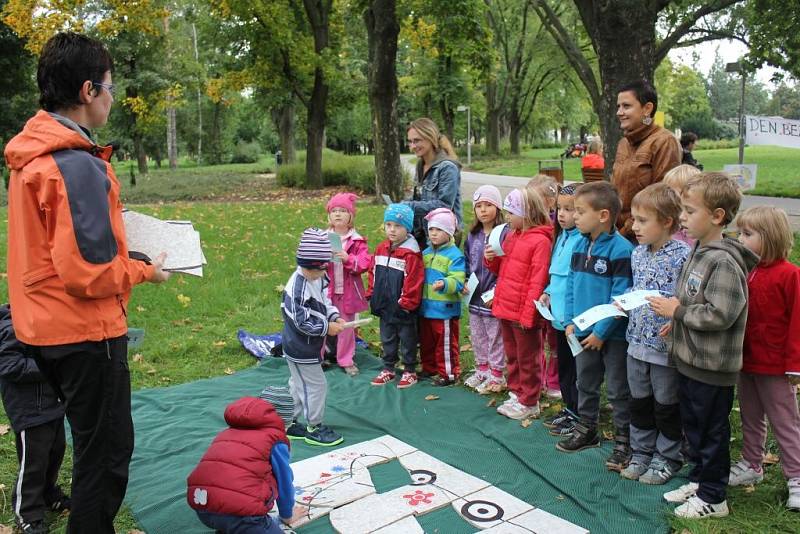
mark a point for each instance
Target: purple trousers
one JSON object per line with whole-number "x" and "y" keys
{"x": 487, "y": 341}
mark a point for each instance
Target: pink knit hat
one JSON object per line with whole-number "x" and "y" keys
{"x": 488, "y": 193}
{"x": 442, "y": 218}
{"x": 514, "y": 203}
{"x": 343, "y": 200}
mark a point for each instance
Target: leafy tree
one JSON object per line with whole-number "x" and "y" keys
{"x": 785, "y": 102}
{"x": 17, "y": 85}
{"x": 774, "y": 34}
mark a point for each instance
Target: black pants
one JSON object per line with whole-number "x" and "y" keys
{"x": 704, "y": 413}
{"x": 567, "y": 375}
{"x": 93, "y": 380}
{"x": 399, "y": 341}
{"x": 40, "y": 450}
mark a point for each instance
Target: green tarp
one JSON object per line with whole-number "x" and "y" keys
{"x": 175, "y": 425}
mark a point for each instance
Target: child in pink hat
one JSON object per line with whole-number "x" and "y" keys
{"x": 346, "y": 289}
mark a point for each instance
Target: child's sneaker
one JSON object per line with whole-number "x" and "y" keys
{"x": 493, "y": 384}
{"x": 351, "y": 370}
{"x": 296, "y": 431}
{"x": 520, "y": 411}
{"x": 37, "y": 527}
{"x": 556, "y": 420}
{"x": 682, "y": 494}
{"x": 477, "y": 378}
{"x": 697, "y": 508}
{"x": 565, "y": 429}
{"x": 323, "y": 436}
{"x": 660, "y": 472}
{"x": 554, "y": 394}
{"x": 407, "y": 380}
{"x": 582, "y": 437}
{"x": 441, "y": 382}
{"x": 794, "y": 494}
{"x": 621, "y": 454}
{"x": 57, "y": 500}
{"x": 638, "y": 466}
{"x": 383, "y": 378}
{"x": 744, "y": 474}
{"x": 508, "y": 404}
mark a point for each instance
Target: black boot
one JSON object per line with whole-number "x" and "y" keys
{"x": 621, "y": 455}
{"x": 583, "y": 436}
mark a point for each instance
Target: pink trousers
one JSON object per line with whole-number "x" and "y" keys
{"x": 346, "y": 341}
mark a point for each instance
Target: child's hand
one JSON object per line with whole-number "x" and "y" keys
{"x": 489, "y": 253}
{"x": 465, "y": 291}
{"x": 342, "y": 255}
{"x": 592, "y": 342}
{"x": 545, "y": 300}
{"x": 569, "y": 330}
{"x": 298, "y": 513}
{"x": 488, "y": 303}
{"x": 665, "y": 330}
{"x": 438, "y": 285}
{"x": 335, "y": 328}
{"x": 793, "y": 379}
{"x": 616, "y": 305}
{"x": 663, "y": 306}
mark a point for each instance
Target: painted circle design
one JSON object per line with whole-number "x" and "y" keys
{"x": 421, "y": 477}
{"x": 482, "y": 511}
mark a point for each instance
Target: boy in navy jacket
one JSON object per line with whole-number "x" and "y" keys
{"x": 600, "y": 269}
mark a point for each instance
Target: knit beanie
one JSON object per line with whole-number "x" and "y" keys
{"x": 488, "y": 193}
{"x": 314, "y": 251}
{"x": 568, "y": 190}
{"x": 281, "y": 400}
{"x": 400, "y": 214}
{"x": 514, "y": 203}
{"x": 343, "y": 200}
{"x": 442, "y": 218}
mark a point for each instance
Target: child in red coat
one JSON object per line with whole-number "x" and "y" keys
{"x": 771, "y": 360}
{"x": 521, "y": 278}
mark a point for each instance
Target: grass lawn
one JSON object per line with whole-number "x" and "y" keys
{"x": 778, "y": 168}
{"x": 191, "y": 326}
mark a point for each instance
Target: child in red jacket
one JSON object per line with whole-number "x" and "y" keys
{"x": 771, "y": 360}
{"x": 521, "y": 278}
{"x": 246, "y": 469}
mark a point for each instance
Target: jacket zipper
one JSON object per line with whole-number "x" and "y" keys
{"x": 588, "y": 255}
{"x": 108, "y": 350}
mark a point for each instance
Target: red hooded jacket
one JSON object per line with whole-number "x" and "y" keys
{"x": 235, "y": 474}
{"x": 521, "y": 274}
{"x": 772, "y": 334}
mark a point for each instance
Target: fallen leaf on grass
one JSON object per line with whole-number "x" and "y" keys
{"x": 525, "y": 423}
{"x": 279, "y": 288}
{"x": 6, "y": 529}
{"x": 4, "y": 429}
{"x": 181, "y": 322}
{"x": 138, "y": 358}
{"x": 466, "y": 347}
{"x": 544, "y": 405}
{"x": 749, "y": 489}
{"x": 220, "y": 343}
{"x": 184, "y": 300}
{"x": 151, "y": 371}
{"x": 432, "y": 397}
{"x": 560, "y": 497}
{"x": 166, "y": 379}
{"x": 771, "y": 459}
{"x": 141, "y": 309}
{"x": 607, "y": 434}
{"x": 492, "y": 403}
{"x": 229, "y": 371}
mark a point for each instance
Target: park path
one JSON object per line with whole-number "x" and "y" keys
{"x": 470, "y": 181}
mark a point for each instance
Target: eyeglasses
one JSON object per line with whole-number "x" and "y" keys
{"x": 110, "y": 87}
{"x": 413, "y": 142}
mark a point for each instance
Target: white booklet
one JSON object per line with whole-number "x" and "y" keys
{"x": 472, "y": 285}
{"x": 357, "y": 322}
{"x": 598, "y": 313}
{"x": 151, "y": 236}
{"x": 494, "y": 240}
{"x": 634, "y": 299}
{"x": 574, "y": 345}
{"x": 544, "y": 311}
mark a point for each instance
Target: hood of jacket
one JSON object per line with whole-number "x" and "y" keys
{"x": 44, "y": 134}
{"x": 743, "y": 256}
{"x": 252, "y": 412}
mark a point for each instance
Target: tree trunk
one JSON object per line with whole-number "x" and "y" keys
{"x": 492, "y": 119}
{"x": 380, "y": 19}
{"x": 318, "y": 13}
{"x": 565, "y": 134}
{"x": 199, "y": 97}
{"x": 515, "y": 128}
{"x": 141, "y": 155}
{"x": 284, "y": 118}
{"x": 172, "y": 135}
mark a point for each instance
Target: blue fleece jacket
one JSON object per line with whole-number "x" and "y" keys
{"x": 599, "y": 270}
{"x": 560, "y": 262}
{"x": 279, "y": 458}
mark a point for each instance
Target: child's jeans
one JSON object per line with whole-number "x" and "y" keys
{"x": 438, "y": 347}
{"x": 239, "y": 524}
{"x": 655, "y": 412}
{"x": 522, "y": 345}
{"x": 399, "y": 340}
{"x": 487, "y": 341}
{"x": 592, "y": 366}
{"x": 705, "y": 409}
{"x": 776, "y": 398}
{"x": 346, "y": 340}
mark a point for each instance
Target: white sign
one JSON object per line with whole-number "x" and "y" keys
{"x": 745, "y": 175}
{"x": 772, "y": 131}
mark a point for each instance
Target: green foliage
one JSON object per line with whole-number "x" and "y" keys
{"x": 774, "y": 32}
{"x": 355, "y": 171}
{"x": 246, "y": 152}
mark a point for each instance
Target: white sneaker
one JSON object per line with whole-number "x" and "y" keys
{"x": 507, "y": 406}
{"x": 520, "y": 411}
{"x": 697, "y": 508}
{"x": 744, "y": 474}
{"x": 681, "y": 494}
{"x": 553, "y": 393}
{"x": 477, "y": 378}
{"x": 794, "y": 494}
{"x": 493, "y": 384}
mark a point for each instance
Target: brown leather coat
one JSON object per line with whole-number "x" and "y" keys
{"x": 644, "y": 156}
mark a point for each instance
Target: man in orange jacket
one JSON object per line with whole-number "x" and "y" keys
{"x": 69, "y": 274}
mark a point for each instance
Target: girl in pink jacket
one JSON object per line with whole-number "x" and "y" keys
{"x": 346, "y": 288}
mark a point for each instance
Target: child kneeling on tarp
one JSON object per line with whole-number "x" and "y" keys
{"x": 246, "y": 469}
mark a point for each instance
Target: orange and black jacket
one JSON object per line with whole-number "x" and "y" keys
{"x": 69, "y": 275}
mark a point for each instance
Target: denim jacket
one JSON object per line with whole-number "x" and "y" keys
{"x": 660, "y": 271}
{"x": 440, "y": 187}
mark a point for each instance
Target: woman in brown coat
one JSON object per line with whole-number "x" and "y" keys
{"x": 645, "y": 153}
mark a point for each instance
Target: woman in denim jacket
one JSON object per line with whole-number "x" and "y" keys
{"x": 437, "y": 182}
